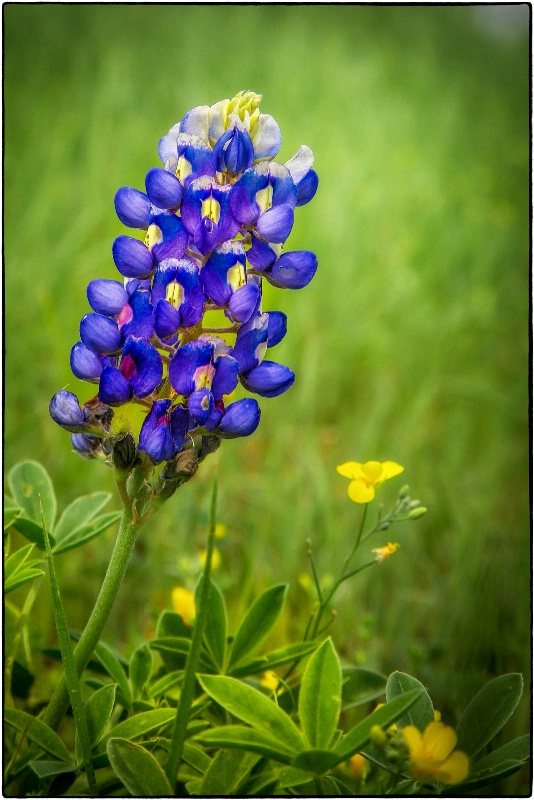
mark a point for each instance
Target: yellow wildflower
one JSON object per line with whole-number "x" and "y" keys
{"x": 270, "y": 680}
{"x": 437, "y": 715}
{"x": 366, "y": 478}
{"x": 431, "y": 753}
{"x": 215, "y": 558}
{"x": 220, "y": 530}
{"x": 381, "y": 553}
{"x": 359, "y": 766}
{"x": 183, "y": 602}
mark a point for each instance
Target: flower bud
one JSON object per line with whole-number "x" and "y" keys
{"x": 378, "y": 737}
{"x": 404, "y": 492}
{"x": 416, "y": 513}
{"x": 65, "y": 410}
{"x": 123, "y": 452}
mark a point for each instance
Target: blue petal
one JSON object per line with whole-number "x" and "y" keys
{"x": 100, "y": 334}
{"x": 240, "y": 419}
{"x": 85, "y": 364}
{"x": 260, "y": 255}
{"x": 149, "y": 367}
{"x": 167, "y": 319}
{"x": 84, "y": 445}
{"x": 187, "y": 360}
{"x": 65, "y": 410}
{"x": 163, "y": 188}
{"x": 244, "y": 302}
{"x": 268, "y": 379}
{"x": 225, "y": 378}
{"x": 197, "y": 155}
{"x": 277, "y": 327}
{"x": 200, "y": 405}
{"x": 132, "y": 258}
{"x": 179, "y": 424}
{"x": 275, "y": 225}
{"x": 214, "y": 274}
{"x": 132, "y": 207}
{"x": 307, "y": 187}
{"x": 293, "y": 270}
{"x": 114, "y": 388}
{"x": 107, "y": 297}
{"x": 173, "y": 237}
{"x": 159, "y": 445}
{"x": 251, "y": 344}
{"x": 243, "y": 197}
{"x": 142, "y": 323}
{"x": 158, "y": 410}
{"x": 233, "y": 151}
{"x": 267, "y": 137}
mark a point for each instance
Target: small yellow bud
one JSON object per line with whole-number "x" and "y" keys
{"x": 215, "y": 558}
{"x": 183, "y": 603}
{"x": 378, "y": 737}
{"x": 382, "y": 553}
{"x": 270, "y": 680}
{"x": 220, "y": 530}
{"x": 359, "y": 766}
{"x": 437, "y": 715}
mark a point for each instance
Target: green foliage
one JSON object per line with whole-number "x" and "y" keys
{"x": 422, "y": 712}
{"x": 18, "y": 570}
{"x": 31, "y": 486}
{"x": 488, "y": 711}
{"x": 360, "y": 686}
{"x": 499, "y": 764}
{"x": 216, "y": 632}
{"x": 36, "y": 730}
{"x": 320, "y": 696}
{"x": 138, "y": 769}
{"x": 257, "y": 623}
{"x": 141, "y": 666}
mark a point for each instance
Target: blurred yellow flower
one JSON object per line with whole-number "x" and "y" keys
{"x": 220, "y": 530}
{"x": 270, "y": 680}
{"x": 431, "y": 753}
{"x": 366, "y": 478}
{"x": 183, "y": 602}
{"x": 437, "y": 715}
{"x": 381, "y": 553}
{"x": 359, "y": 766}
{"x": 215, "y": 558}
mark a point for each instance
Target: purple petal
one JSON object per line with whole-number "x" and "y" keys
{"x": 84, "y": 363}
{"x": 84, "y": 445}
{"x": 168, "y": 237}
{"x": 132, "y": 207}
{"x": 261, "y": 255}
{"x": 114, "y": 389}
{"x": 148, "y": 364}
{"x": 300, "y": 164}
{"x": 132, "y": 258}
{"x": 107, "y": 297}
{"x": 244, "y": 302}
{"x": 307, "y": 187}
{"x": 100, "y": 334}
{"x": 240, "y": 419}
{"x": 200, "y": 405}
{"x": 268, "y": 379}
{"x": 277, "y": 327}
{"x": 141, "y": 323}
{"x": 179, "y": 424}
{"x": 167, "y": 319}
{"x": 163, "y": 189}
{"x": 293, "y": 270}
{"x": 275, "y": 225}
{"x": 225, "y": 378}
{"x": 243, "y": 198}
{"x": 65, "y": 410}
{"x": 183, "y": 367}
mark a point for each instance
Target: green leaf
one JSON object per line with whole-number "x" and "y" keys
{"x": 171, "y": 644}
{"x": 37, "y": 732}
{"x": 160, "y": 687}
{"x": 171, "y": 624}
{"x": 28, "y": 480}
{"x": 277, "y": 658}
{"x": 250, "y": 739}
{"x": 11, "y": 512}
{"x": 196, "y": 757}
{"x": 216, "y": 630}
{"x": 252, "y": 706}
{"x": 227, "y": 770}
{"x": 18, "y": 570}
{"x": 320, "y": 696}
{"x": 98, "y": 710}
{"x": 384, "y": 716}
{"x": 316, "y": 761}
{"x": 360, "y": 686}
{"x": 258, "y": 622}
{"x": 86, "y": 532}
{"x": 421, "y": 713}
{"x": 49, "y": 769}
{"x": 291, "y": 776}
{"x": 114, "y": 668}
{"x": 497, "y": 765}
{"x": 139, "y": 725}
{"x": 141, "y": 665}
{"x": 79, "y": 513}
{"x": 488, "y": 711}
{"x": 138, "y": 769}
{"x": 32, "y": 531}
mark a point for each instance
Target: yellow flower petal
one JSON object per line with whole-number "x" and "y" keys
{"x": 439, "y": 740}
{"x": 350, "y": 469}
{"x": 183, "y": 602}
{"x": 391, "y": 469}
{"x": 373, "y": 471}
{"x": 454, "y": 769}
{"x": 359, "y": 492}
{"x": 413, "y": 738}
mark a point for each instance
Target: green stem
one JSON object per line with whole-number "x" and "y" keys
{"x": 188, "y": 687}
{"x": 124, "y": 544}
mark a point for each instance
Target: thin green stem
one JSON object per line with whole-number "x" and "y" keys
{"x": 188, "y": 687}
{"x": 124, "y": 544}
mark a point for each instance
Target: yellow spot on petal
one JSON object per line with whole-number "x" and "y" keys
{"x": 183, "y": 169}
{"x": 153, "y": 236}
{"x": 236, "y": 276}
{"x": 174, "y": 294}
{"x": 211, "y": 209}
{"x": 264, "y": 198}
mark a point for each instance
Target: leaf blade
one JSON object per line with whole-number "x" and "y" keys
{"x": 320, "y": 696}
{"x": 138, "y": 770}
{"x": 28, "y": 480}
{"x": 488, "y": 711}
{"x": 258, "y": 621}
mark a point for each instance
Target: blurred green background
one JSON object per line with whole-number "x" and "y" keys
{"x": 410, "y": 344}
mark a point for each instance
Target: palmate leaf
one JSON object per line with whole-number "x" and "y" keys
{"x": 18, "y": 570}
{"x": 11, "y": 511}
{"x": 216, "y": 630}
{"x": 139, "y": 725}
{"x": 320, "y": 696}
{"x": 421, "y": 713}
{"x": 85, "y": 533}
{"x": 360, "y": 686}
{"x": 255, "y": 708}
{"x": 138, "y": 769}
{"x": 32, "y": 531}
{"x": 29, "y": 481}
{"x": 79, "y": 513}
{"x": 249, "y": 739}
{"x": 488, "y": 711}
{"x": 258, "y": 621}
